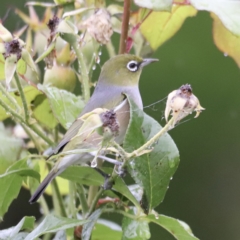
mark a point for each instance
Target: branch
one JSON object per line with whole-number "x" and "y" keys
{"x": 125, "y": 23}
{"x": 109, "y": 210}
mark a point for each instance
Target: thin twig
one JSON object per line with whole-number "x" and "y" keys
{"x": 149, "y": 143}
{"x": 11, "y": 111}
{"x": 23, "y": 98}
{"x": 57, "y": 198}
{"x": 83, "y": 200}
{"x": 94, "y": 202}
{"x": 10, "y": 98}
{"x": 18, "y": 117}
{"x": 112, "y": 210}
{"x": 110, "y": 49}
{"x": 32, "y": 137}
{"x": 125, "y": 23}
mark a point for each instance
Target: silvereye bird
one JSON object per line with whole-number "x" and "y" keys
{"x": 119, "y": 75}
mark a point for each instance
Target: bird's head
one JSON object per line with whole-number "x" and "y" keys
{"x": 123, "y": 70}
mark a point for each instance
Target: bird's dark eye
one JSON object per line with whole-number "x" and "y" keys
{"x": 132, "y": 66}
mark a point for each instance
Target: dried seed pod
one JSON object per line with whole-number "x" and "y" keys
{"x": 181, "y": 103}
{"x": 99, "y": 26}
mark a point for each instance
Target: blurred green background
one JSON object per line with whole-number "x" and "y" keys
{"x": 204, "y": 191}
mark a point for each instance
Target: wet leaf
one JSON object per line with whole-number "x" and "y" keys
{"x": 122, "y": 188}
{"x": 65, "y": 105}
{"x": 153, "y": 170}
{"x": 135, "y": 229}
{"x": 157, "y": 5}
{"x": 52, "y": 223}
{"x": 179, "y": 229}
{"x": 161, "y": 26}
{"x": 227, "y": 11}
{"x": 12, "y": 232}
{"x": 226, "y": 41}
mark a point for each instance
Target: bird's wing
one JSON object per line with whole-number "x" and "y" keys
{"x": 102, "y": 98}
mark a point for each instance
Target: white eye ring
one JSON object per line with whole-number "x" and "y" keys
{"x": 132, "y": 66}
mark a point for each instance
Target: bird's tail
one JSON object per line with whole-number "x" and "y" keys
{"x": 43, "y": 186}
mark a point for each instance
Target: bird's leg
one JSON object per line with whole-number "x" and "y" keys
{"x": 121, "y": 171}
{"x": 113, "y": 161}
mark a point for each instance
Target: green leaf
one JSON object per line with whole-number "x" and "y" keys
{"x": 89, "y": 176}
{"x": 30, "y": 94}
{"x": 46, "y": 52}
{"x": 21, "y": 168}
{"x": 10, "y": 187}
{"x": 10, "y": 148}
{"x": 161, "y": 26}
{"x": 179, "y": 229}
{"x": 27, "y": 58}
{"x": 157, "y": 5}
{"x": 21, "y": 66}
{"x": 12, "y": 233}
{"x": 2, "y": 69}
{"x": 88, "y": 227}
{"x": 11, "y": 181}
{"x": 135, "y": 229}
{"x": 227, "y": 11}
{"x": 226, "y": 41}
{"x": 153, "y": 170}
{"x": 10, "y": 68}
{"x": 42, "y": 111}
{"x": 122, "y": 188}
{"x": 53, "y": 224}
{"x": 106, "y": 230}
{"x": 65, "y": 105}
{"x": 83, "y": 175}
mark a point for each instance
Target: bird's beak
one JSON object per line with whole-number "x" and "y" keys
{"x": 147, "y": 61}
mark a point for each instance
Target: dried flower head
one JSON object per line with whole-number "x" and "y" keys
{"x": 13, "y": 47}
{"x": 53, "y": 23}
{"x": 109, "y": 119}
{"x": 99, "y": 26}
{"x": 181, "y": 103}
